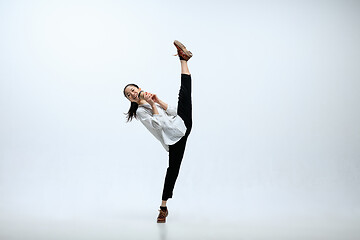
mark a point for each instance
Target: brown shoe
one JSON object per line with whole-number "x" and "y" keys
{"x": 162, "y": 216}
{"x": 182, "y": 51}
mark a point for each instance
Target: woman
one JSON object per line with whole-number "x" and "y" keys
{"x": 170, "y": 125}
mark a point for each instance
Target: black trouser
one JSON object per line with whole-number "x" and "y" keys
{"x": 176, "y": 151}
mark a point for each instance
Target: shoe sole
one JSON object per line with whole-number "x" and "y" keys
{"x": 181, "y": 47}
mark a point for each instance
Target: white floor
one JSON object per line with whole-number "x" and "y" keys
{"x": 138, "y": 225}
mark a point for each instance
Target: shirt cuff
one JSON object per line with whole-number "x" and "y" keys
{"x": 172, "y": 111}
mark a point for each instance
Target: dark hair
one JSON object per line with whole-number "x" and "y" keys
{"x": 133, "y": 106}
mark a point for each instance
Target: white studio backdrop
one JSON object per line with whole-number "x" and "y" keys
{"x": 275, "y": 100}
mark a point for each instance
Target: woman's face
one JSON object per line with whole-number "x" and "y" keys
{"x": 132, "y": 93}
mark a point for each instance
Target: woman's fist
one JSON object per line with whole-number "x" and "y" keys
{"x": 155, "y": 98}
{"x": 148, "y": 98}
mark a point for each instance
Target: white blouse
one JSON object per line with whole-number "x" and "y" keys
{"x": 167, "y": 126}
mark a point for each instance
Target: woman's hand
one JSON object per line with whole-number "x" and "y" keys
{"x": 148, "y": 98}
{"x": 158, "y": 101}
{"x": 155, "y": 98}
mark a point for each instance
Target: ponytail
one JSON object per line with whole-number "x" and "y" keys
{"x": 132, "y": 111}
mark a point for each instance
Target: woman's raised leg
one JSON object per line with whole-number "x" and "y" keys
{"x": 184, "y": 67}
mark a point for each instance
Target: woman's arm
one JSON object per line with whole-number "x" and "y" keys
{"x": 160, "y": 102}
{"x": 149, "y": 99}
{"x": 170, "y": 110}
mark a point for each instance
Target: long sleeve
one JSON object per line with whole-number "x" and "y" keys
{"x": 172, "y": 111}
{"x": 148, "y": 119}
{"x": 166, "y": 127}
